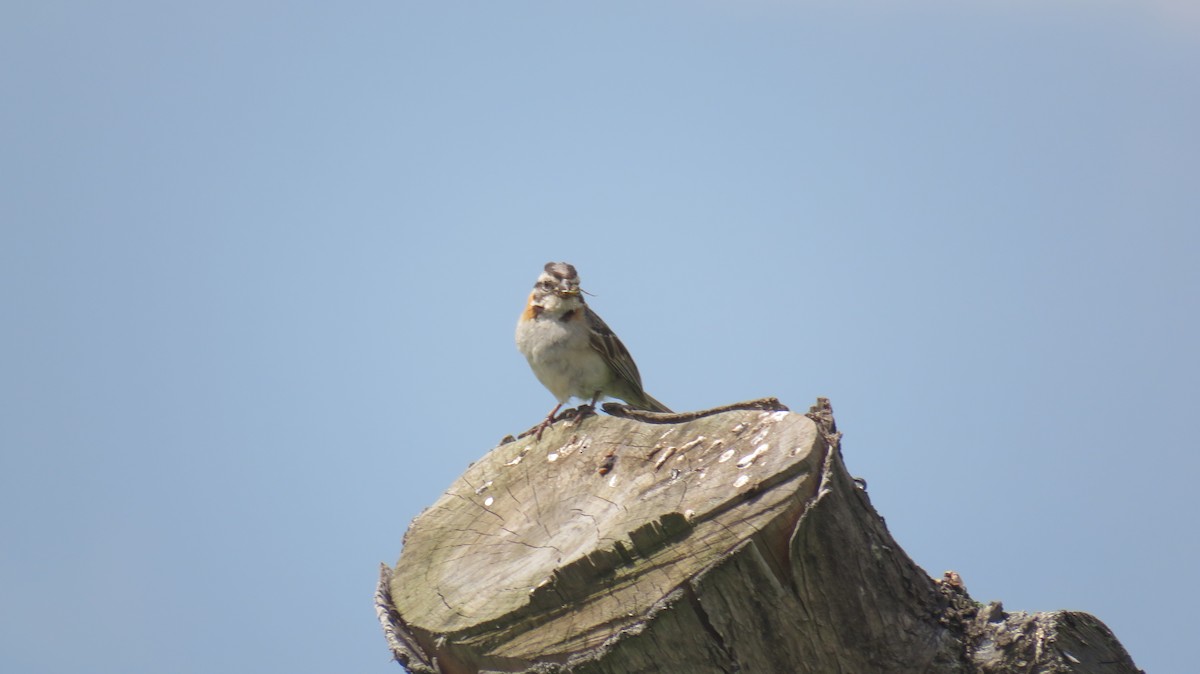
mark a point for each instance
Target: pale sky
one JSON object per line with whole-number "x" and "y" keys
{"x": 261, "y": 263}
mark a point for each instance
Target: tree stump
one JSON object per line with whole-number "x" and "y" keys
{"x": 704, "y": 542}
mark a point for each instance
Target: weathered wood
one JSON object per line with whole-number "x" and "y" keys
{"x": 734, "y": 541}
{"x": 1043, "y": 643}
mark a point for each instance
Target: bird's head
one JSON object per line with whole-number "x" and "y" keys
{"x": 557, "y": 288}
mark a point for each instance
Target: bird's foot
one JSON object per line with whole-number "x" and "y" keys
{"x": 577, "y": 415}
{"x": 537, "y": 431}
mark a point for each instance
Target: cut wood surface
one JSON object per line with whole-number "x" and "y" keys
{"x": 731, "y": 541}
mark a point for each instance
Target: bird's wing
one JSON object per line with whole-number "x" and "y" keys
{"x": 605, "y": 342}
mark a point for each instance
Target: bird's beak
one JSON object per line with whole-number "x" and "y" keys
{"x": 567, "y": 291}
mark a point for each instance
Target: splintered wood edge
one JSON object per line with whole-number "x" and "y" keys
{"x": 627, "y": 412}
{"x": 404, "y": 648}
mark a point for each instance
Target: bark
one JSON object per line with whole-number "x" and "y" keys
{"x": 730, "y": 541}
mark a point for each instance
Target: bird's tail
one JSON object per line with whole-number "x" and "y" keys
{"x": 652, "y": 405}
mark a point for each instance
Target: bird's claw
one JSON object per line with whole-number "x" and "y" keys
{"x": 577, "y": 414}
{"x": 574, "y": 415}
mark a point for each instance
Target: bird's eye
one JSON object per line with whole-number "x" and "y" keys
{"x": 546, "y": 285}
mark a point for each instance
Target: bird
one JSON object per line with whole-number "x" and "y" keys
{"x": 572, "y": 351}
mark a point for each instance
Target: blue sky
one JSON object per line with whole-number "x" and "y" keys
{"x": 261, "y": 263}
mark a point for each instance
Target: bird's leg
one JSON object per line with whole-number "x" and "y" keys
{"x": 549, "y": 420}
{"x": 587, "y": 408}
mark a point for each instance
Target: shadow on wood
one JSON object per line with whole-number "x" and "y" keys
{"x": 725, "y": 541}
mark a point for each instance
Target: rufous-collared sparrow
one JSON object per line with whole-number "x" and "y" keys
{"x": 571, "y": 350}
